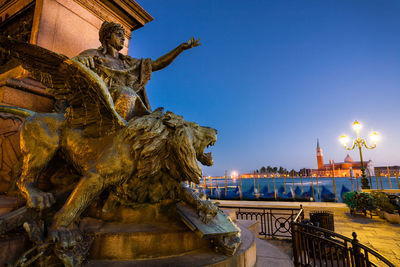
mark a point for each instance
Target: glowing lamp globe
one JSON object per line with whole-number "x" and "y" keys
{"x": 374, "y": 137}
{"x": 357, "y": 126}
{"x": 344, "y": 139}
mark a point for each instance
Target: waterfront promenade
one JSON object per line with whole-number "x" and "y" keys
{"x": 375, "y": 233}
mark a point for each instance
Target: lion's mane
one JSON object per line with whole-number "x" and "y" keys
{"x": 164, "y": 156}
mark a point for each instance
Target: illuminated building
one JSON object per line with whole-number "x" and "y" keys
{"x": 340, "y": 169}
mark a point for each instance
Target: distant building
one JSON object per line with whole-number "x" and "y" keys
{"x": 305, "y": 172}
{"x": 393, "y": 170}
{"x": 341, "y": 169}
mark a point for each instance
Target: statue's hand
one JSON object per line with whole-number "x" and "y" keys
{"x": 190, "y": 44}
{"x": 65, "y": 237}
{"x": 38, "y": 199}
{"x": 87, "y": 61}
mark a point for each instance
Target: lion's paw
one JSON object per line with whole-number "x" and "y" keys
{"x": 65, "y": 237}
{"x": 39, "y": 200}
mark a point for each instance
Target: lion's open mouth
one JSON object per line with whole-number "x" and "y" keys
{"x": 206, "y": 158}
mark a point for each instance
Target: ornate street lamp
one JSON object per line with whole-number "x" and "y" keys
{"x": 359, "y": 142}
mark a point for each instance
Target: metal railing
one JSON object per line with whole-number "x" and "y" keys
{"x": 315, "y": 246}
{"x": 274, "y": 222}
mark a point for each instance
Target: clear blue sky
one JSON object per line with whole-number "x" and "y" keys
{"x": 274, "y": 75}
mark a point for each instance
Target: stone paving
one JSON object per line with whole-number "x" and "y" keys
{"x": 269, "y": 255}
{"x": 375, "y": 233}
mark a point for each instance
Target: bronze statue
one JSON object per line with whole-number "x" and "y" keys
{"x": 110, "y": 136}
{"x": 125, "y": 76}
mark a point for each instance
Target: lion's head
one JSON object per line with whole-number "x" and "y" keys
{"x": 187, "y": 142}
{"x": 166, "y": 150}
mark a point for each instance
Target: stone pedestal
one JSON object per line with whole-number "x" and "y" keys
{"x": 147, "y": 235}
{"x": 63, "y": 26}
{"x": 203, "y": 255}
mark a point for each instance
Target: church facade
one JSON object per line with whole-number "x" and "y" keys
{"x": 347, "y": 168}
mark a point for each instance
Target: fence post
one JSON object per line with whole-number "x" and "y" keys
{"x": 358, "y": 258}
{"x": 295, "y": 244}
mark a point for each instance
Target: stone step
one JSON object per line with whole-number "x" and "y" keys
{"x": 244, "y": 257}
{"x": 141, "y": 241}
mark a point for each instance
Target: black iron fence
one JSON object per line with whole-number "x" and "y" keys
{"x": 315, "y": 246}
{"x": 274, "y": 222}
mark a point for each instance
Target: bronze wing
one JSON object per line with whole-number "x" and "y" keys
{"x": 90, "y": 104}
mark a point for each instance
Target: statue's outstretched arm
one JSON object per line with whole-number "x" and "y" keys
{"x": 167, "y": 59}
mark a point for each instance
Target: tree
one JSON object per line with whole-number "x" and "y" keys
{"x": 274, "y": 169}
{"x": 281, "y": 170}
{"x": 269, "y": 169}
{"x": 263, "y": 170}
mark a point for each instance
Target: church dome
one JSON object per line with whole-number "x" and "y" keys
{"x": 348, "y": 158}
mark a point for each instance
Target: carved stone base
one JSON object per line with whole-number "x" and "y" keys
{"x": 245, "y": 255}
{"x": 117, "y": 241}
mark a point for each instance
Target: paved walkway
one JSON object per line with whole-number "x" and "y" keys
{"x": 375, "y": 233}
{"x": 269, "y": 255}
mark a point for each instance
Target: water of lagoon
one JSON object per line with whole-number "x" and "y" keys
{"x": 267, "y": 185}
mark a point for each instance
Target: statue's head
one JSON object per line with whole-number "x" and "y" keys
{"x": 107, "y": 30}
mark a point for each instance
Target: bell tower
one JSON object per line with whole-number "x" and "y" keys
{"x": 320, "y": 156}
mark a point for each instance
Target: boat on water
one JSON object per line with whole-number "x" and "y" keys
{"x": 305, "y": 196}
{"x": 284, "y": 196}
{"x": 327, "y": 195}
{"x": 265, "y": 195}
{"x": 343, "y": 191}
{"x": 251, "y": 194}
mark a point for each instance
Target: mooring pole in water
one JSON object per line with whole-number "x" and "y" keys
{"x": 388, "y": 175}
{"x": 268, "y": 184}
{"x": 317, "y": 187}
{"x": 254, "y": 182}
{"x": 333, "y": 180}
{"x": 284, "y": 182}
{"x": 397, "y": 178}
{"x": 312, "y": 188}
{"x": 204, "y": 183}
{"x": 226, "y": 184}
{"x": 376, "y": 178}
{"x": 273, "y": 177}
{"x": 301, "y": 180}
{"x": 369, "y": 176}
{"x": 351, "y": 179}
{"x": 258, "y": 185}
{"x": 211, "y": 186}
{"x": 293, "y": 185}
{"x": 241, "y": 187}
{"x": 380, "y": 178}
{"x": 357, "y": 183}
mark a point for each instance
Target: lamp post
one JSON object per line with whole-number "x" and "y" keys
{"x": 359, "y": 142}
